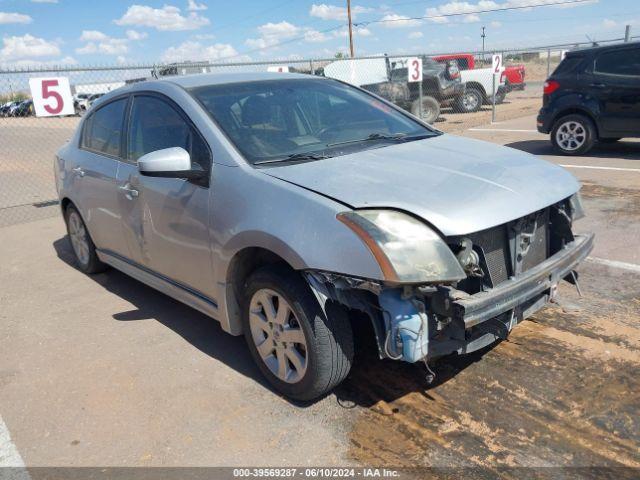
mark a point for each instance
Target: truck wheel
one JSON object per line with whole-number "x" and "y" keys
{"x": 469, "y": 101}
{"x": 302, "y": 353}
{"x": 501, "y": 94}
{"x": 430, "y": 109}
{"x": 573, "y": 134}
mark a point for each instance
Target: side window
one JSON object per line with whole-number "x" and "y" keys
{"x": 619, "y": 62}
{"x": 102, "y": 131}
{"x": 155, "y": 125}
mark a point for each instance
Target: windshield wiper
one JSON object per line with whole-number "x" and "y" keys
{"x": 293, "y": 157}
{"x": 400, "y": 137}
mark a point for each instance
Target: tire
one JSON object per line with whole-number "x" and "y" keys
{"x": 501, "y": 94}
{"x": 579, "y": 134}
{"x": 470, "y": 101}
{"x": 86, "y": 257}
{"x": 327, "y": 352}
{"x": 609, "y": 140}
{"x": 430, "y": 109}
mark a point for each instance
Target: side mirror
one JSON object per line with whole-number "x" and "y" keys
{"x": 170, "y": 163}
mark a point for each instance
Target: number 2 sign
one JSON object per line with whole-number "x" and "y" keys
{"x": 51, "y": 96}
{"x": 497, "y": 63}
{"x": 414, "y": 70}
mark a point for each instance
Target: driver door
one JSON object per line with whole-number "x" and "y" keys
{"x": 165, "y": 221}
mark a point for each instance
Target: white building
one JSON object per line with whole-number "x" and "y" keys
{"x": 97, "y": 87}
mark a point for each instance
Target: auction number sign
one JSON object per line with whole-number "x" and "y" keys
{"x": 414, "y": 70}
{"x": 496, "y": 64}
{"x": 51, "y": 96}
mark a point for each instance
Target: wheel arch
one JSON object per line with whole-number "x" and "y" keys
{"x": 246, "y": 259}
{"x": 575, "y": 111}
{"x": 478, "y": 86}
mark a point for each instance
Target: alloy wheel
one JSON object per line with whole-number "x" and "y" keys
{"x": 571, "y": 135}
{"x": 278, "y": 336}
{"x": 79, "y": 238}
{"x": 470, "y": 101}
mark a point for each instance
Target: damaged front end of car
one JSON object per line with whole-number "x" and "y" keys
{"x": 443, "y": 295}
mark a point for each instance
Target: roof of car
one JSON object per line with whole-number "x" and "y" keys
{"x": 202, "y": 79}
{"x": 599, "y": 48}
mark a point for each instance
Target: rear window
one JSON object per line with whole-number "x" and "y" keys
{"x": 619, "y": 62}
{"x": 102, "y": 131}
{"x": 568, "y": 65}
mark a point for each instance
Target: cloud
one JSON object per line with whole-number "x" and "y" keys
{"x": 92, "y": 36}
{"x": 495, "y": 24}
{"x": 608, "y": 23}
{"x": 334, "y": 12}
{"x": 191, "y": 51}
{"x": 66, "y": 61}
{"x": 471, "y": 18}
{"x": 272, "y": 34}
{"x": 196, "y": 7}
{"x": 392, "y": 20}
{"x": 416, "y": 35}
{"x": 98, "y": 42}
{"x": 134, "y": 35}
{"x": 167, "y": 18}
{"x": 14, "y": 18}
{"x": 463, "y": 7}
{"x": 26, "y": 46}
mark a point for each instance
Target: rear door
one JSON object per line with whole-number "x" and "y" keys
{"x": 616, "y": 84}
{"x": 94, "y": 173}
{"x": 165, "y": 221}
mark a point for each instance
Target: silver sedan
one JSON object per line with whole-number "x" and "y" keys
{"x": 292, "y": 208}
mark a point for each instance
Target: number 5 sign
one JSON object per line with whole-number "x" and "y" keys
{"x": 414, "y": 70}
{"x": 51, "y": 96}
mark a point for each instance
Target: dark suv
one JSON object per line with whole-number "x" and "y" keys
{"x": 593, "y": 95}
{"x": 441, "y": 85}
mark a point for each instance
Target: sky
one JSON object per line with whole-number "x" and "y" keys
{"x": 111, "y": 32}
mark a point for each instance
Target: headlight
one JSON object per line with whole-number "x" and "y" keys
{"x": 577, "y": 211}
{"x": 406, "y": 249}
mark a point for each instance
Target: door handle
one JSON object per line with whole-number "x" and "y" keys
{"x": 78, "y": 171}
{"x": 129, "y": 192}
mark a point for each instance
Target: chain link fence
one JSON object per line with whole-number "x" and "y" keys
{"x": 459, "y": 91}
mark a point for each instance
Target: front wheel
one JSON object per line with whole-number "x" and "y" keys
{"x": 430, "y": 109}
{"x": 301, "y": 351}
{"x": 573, "y": 134}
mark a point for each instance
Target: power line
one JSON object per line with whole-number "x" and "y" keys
{"x": 362, "y": 24}
{"x": 471, "y": 12}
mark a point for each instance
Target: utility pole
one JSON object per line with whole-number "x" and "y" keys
{"x": 350, "y": 27}
{"x": 483, "y": 36}
{"x": 627, "y": 33}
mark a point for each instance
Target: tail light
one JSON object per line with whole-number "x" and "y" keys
{"x": 550, "y": 86}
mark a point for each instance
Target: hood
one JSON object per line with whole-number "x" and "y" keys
{"x": 459, "y": 185}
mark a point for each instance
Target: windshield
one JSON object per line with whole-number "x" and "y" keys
{"x": 304, "y": 119}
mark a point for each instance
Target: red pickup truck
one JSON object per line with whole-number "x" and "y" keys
{"x": 513, "y": 74}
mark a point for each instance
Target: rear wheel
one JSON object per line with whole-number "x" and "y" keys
{"x": 573, "y": 134}
{"x": 470, "y": 101}
{"x": 302, "y": 353}
{"x": 83, "y": 248}
{"x": 430, "y": 109}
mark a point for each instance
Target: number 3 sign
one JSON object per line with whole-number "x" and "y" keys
{"x": 51, "y": 96}
{"x": 414, "y": 70}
